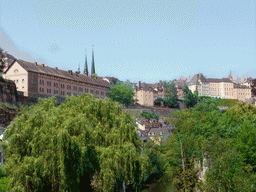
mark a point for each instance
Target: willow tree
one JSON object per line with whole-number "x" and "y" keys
{"x": 49, "y": 148}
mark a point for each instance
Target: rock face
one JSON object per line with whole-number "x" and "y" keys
{"x": 8, "y": 96}
{"x": 8, "y": 92}
{"x": 6, "y": 116}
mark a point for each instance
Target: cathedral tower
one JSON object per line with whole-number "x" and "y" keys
{"x": 93, "y": 67}
{"x": 85, "y": 65}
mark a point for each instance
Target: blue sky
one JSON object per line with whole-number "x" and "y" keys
{"x": 144, "y": 40}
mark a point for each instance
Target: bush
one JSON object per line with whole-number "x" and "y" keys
{"x": 149, "y": 114}
{"x": 4, "y": 184}
{"x": 2, "y": 170}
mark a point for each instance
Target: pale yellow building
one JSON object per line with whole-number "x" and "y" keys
{"x": 223, "y": 88}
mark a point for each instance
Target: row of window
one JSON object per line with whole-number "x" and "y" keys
{"x": 69, "y": 93}
{"x": 17, "y": 81}
{"x": 41, "y": 82}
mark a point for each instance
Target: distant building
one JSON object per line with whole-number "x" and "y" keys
{"x": 224, "y": 88}
{"x": 146, "y": 94}
{"x": 148, "y": 128}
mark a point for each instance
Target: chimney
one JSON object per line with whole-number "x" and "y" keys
{"x": 43, "y": 65}
{"x": 36, "y": 63}
{"x": 56, "y": 68}
{"x": 70, "y": 72}
{"x": 139, "y": 84}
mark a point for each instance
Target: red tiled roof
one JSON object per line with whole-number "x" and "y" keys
{"x": 33, "y": 67}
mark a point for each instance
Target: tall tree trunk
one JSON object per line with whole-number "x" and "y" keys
{"x": 182, "y": 154}
{"x": 123, "y": 185}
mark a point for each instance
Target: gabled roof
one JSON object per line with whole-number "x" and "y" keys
{"x": 195, "y": 79}
{"x": 33, "y": 67}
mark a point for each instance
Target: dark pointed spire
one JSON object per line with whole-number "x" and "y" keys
{"x": 78, "y": 68}
{"x": 85, "y": 65}
{"x": 93, "y": 67}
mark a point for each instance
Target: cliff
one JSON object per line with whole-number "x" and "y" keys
{"x": 8, "y": 96}
{"x": 8, "y": 92}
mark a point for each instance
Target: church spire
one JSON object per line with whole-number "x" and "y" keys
{"x": 93, "y": 67}
{"x": 230, "y": 76}
{"x": 85, "y": 65}
{"x": 78, "y": 68}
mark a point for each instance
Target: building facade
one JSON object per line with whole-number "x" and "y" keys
{"x": 224, "y": 88}
{"x": 41, "y": 81}
{"x": 146, "y": 94}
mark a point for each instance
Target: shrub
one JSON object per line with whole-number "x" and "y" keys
{"x": 149, "y": 114}
{"x": 4, "y": 184}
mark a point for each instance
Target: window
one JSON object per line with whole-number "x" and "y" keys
{"x": 22, "y": 80}
{"x": 42, "y": 89}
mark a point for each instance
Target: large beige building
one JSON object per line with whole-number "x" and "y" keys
{"x": 224, "y": 88}
{"x": 41, "y": 81}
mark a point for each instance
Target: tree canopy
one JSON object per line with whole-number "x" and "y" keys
{"x": 122, "y": 92}
{"x": 190, "y": 99}
{"x": 62, "y": 148}
{"x": 171, "y": 98}
{"x": 223, "y": 144}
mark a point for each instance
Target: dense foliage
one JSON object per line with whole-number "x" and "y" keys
{"x": 223, "y": 142}
{"x": 190, "y": 99}
{"x": 171, "y": 98}
{"x": 63, "y": 148}
{"x": 122, "y": 92}
{"x": 148, "y": 115}
{"x": 4, "y": 180}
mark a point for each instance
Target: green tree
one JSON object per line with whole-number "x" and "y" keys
{"x": 171, "y": 98}
{"x": 95, "y": 75}
{"x": 49, "y": 148}
{"x": 207, "y": 104}
{"x": 191, "y": 143}
{"x": 122, "y": 92}
{"x": 245, "y": 143}
{"x": 4, "y": 180}
{"x": 190, "y": 99}
{"x": 158, "y": 101}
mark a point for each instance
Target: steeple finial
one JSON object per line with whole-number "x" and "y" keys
{"x": 93, "y": 67}
{"x": 85, "y": 65}
{"x": 230, "y": 76}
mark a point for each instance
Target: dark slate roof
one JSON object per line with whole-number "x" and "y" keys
{"x": 195, "y": 79}
{"x": 33, "y": 67}
{"x": 236, "y": 85}
{"x": 227, "y": 80}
